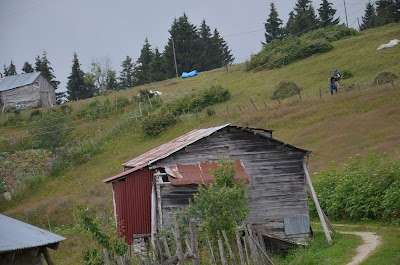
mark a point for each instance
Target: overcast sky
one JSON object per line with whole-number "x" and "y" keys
{"x": 97, "y": 28}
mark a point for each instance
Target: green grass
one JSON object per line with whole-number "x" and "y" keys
{"x": 319, "y": 252}
{"x": 334, "y": 128}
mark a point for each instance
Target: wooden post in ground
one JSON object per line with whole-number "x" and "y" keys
{"x": 246, "y": 251}
{"x": 178, "y": 243}
{"x": 47, "y": 257}
{"x": 193, "y": 239}
{"x": 221, "y": 251}
{"x": 210, "y": 251}
{"x": 228, "y": 246}
{"x": 240, "y": 247}
{"x": 165, "y": 247}
{"x": 315, "y": 199}
{"x": 328, "y": 222}
{"x": 253, "y": 104}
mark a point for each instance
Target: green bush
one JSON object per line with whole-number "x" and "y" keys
{"x": 50, "y": 131}
{"x": 122, "y": 102}
{"x": 35, "y": 113}
{"x": 156, "y": 123}
{"x": 282, "y": 52}
{"x": 346, "y": 74}
{"x": 363, "y": 189}
{"x": 197, "y": 102}
{"x": 285, "y": 89}
{"x": 210, "y": 112}
{"x": 385, "y": 78}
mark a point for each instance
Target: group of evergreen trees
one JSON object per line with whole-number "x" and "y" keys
{"x": 42, "y": 65}
{"x": 301, "y": 20}
{"x": 193, "y": 48}
{"x": 380, "y": 13}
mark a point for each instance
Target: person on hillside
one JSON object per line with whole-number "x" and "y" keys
{"x": 337, "y": 76}
{"x": 332, "y": 85}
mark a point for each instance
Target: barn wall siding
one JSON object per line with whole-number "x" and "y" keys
{"x": 133, "y": 204}
{"x": 277, "y": 190}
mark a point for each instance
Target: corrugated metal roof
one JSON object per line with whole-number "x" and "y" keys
{"x": 200, "y": 173}
{"x": 14, "y": 81}
{"x": 171, "y": 147}
{"x": 181, "y": 142}
{"x": 16, "y": 235}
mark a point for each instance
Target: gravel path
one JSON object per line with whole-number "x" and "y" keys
{"x": 371, "y": 242}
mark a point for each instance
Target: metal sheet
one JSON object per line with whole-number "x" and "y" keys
{"x": 133, "y": 204}
{"x": 200, "y": 173}
{"x": 171, "y": 147}
{"x": 16, "y": 235}
{"x": 297, "y": 225}
{"x": 14, "y": 81}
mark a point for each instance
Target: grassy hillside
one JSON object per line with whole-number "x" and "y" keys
{"x": 333, "y": 128}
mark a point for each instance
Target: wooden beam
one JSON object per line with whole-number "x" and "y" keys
{"x": 328, "y": 222}
{"x": 315, "y": 199}
{"x": 47, "y": 256}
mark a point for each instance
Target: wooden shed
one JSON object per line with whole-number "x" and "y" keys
{"x": 164, "y": 178}
{"x": 27, "y": 90}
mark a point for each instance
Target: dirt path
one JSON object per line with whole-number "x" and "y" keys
{"x": 371, "y": 242}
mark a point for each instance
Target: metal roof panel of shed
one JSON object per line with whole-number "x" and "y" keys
{"x": 15, "y": 235}
{"x": 171, "y": 147}
{"x": 14, "y": 81}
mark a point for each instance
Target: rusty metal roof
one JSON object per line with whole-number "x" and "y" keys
{"x": 171, "y": 147}
{"x": 16, "y": 235}
{"x": 200, "y": 173}
{"x": 181, "y": 142}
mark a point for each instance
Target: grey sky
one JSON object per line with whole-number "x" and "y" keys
{"x": 96, "y": 28}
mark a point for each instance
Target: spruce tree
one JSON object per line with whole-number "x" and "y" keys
{"x": 142, "y": 70}
{"x": 156, "y": 67}
{"x": 326, "y": 14}
{"x": 289, "y": 24}
{"x": 223, "y": 56}
{"x": 369, "y": 18}
{"x": 385, "y": 12}
{"x": 206, "y": 48}
{"x": 10, "y": 70}
{"x": 76, "y": 86}
{"x": 42, "y": 65}
{"x": 187, "y": 47}
{"x": 27, "y": 68}
{"x": 397, "y": 11}
{"x": 127, "y": 77}
{"x": 273, "y": 26}
{"x": 304, "y": 18}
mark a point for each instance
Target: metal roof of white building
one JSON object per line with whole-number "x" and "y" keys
{"x": 14, "y": 81}
{"x": 15, "y": 235}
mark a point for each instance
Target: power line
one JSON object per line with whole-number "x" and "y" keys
{"x": 31, "y": 9}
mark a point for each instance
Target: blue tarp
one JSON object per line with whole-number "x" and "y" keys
{"x": 190, "y": 74}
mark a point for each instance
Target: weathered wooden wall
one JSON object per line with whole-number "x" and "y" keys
{"x": 278, "y": 187}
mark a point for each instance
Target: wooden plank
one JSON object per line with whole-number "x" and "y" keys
{"x": 240, "y": 247}
{"x": 228, "y": 246}
{"x": 319, "y": 210}
{"x": 193, "y": 239}
{"x": 165, "y": 247}
{"x": 221, "y": 251}
{"x": 178, "y": 243}
{"x": 211, "y": 252}
{"x": 47, "y": 256}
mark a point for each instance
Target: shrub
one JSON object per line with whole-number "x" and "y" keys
{"x": 282, "y": 52}
{"x": 210, "y": 112}
{"x": 122, "y": 102}
{"x": 66, "y": 109}
{"x": 347, "y": 74}
{"x": 213, "y": 95}
{"x": 156, "y": 123}
{"x": 35, "y": 113}
{"x": 285, "y": 89}
{"x": 50, "y": 131}
{"x": 364, "y": 189}
{"x": 385, "y": 78}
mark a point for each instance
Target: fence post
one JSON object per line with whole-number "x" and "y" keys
{"x": 221, "y": 251}
{"x": 178, "y": 243}
{"x": 240, "y": 247}
{"x": 253, "y": 104}
{"x": 210, "y": 250}
{"x": 193, "y": 239}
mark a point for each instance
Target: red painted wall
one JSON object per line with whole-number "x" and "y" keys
{"x": 133, "y": 204}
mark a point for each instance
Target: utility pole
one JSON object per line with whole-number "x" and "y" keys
{"x": 359, "y": 27}
{"x": 173, "y": 48}
{"x": 345, "y": 12}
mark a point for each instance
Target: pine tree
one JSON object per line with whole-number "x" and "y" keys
{"x": 10, "y": 70}
{"x": 385, "y": 12}
{"x": 369, "y": 18}
{"x": 27, "y": 68}
{"x": 142, "y": 69}
{"x": 223, "y": 56}
{"x": 42, "y": 65}
{"x": 111, "y": 80}
{"x": 206, "y": 48}
{"x": 156, "y": 70}
{"x": 326, "y": 14}
{"x": 127, "y": 77}
{"x": 289, "y": 24}
{"x": 304, "y": 18}
{"x": 77, "y": 87}
{"x": 273, "y": 26}
{"x": 187, "y": 47}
